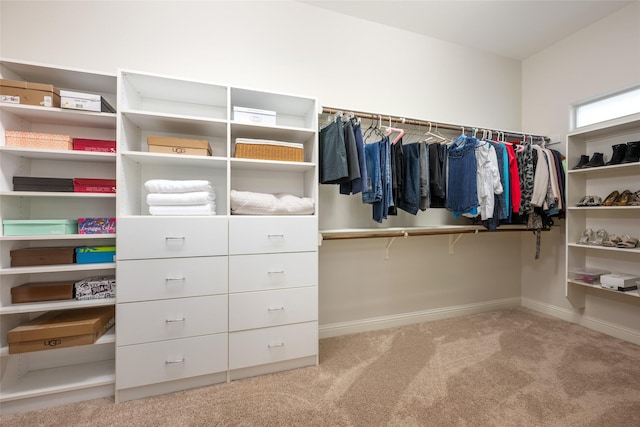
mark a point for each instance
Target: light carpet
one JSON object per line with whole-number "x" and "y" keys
{"x": 503, "y": 368}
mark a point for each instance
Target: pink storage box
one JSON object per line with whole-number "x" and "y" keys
{"x": 47, "y": 141}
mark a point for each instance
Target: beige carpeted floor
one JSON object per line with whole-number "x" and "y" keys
{"x": 504, "y": 368}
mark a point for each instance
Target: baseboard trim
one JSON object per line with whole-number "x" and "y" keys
{"x": 572, "y": 316}
{"x": 376, "y": 323}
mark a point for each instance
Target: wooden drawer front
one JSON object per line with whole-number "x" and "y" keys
{"x": 268, "y": 345}
{"x": 268, "y": 235}
{"x": 143, "y": 364}
{"x": 169, "y": 319}
{"x": 141, "y": 280}
{"x": 271, "y": 308}
{"x": 148, "y": 237}
{"x": 272, "y": 271}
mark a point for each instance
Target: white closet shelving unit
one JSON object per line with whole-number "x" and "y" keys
{"x": 52, "y": 377}
{"x": 211, "y": 298}
{"x": 619, "y": 220}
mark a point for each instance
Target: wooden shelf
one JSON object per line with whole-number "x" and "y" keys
{"x": 60, "y": 116}
{"x": 57, "y": 268}
{"x": 75, "y": 155}
{"x": 35, "y": 307}
{"x": 64, "y": 194}
{"x": 363, "y": 233}
{"x": 597, "y": 286}
{"x": 58, "y": 237}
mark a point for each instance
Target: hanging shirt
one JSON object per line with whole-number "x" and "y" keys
{"x": 488, "y": 177}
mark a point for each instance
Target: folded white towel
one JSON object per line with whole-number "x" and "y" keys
{"x": 177, "y": 186}
{"x": 190, "y": 198}
{"x": 205, "y": 209}
{"x": 250, "y": 203}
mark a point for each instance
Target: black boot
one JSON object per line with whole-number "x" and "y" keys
{"x": 584, "y": 159}
{"x": 619, "y": 150}
{"x": 596, "y": 160}
{"x": 633, "y": 152}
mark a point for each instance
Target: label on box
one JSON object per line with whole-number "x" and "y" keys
{"x": 47, "y": 101}
{"x": 11, "y": 99}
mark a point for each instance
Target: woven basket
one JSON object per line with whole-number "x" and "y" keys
{"x": 269, "y": 152}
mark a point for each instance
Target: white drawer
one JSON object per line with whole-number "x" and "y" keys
{"x": 271, "y": 308}
{"x": 141, "y": 280}
{"x": 151, "y": 363}
{"x": 268, "y": 345}
{"x": 149, "y": 237}
{"x": 251, "y": 235}
{"x": 169, "y": 319}
{"x": 272, "y": 271}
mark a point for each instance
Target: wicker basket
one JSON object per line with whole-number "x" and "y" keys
{"x": 269, "y": 150}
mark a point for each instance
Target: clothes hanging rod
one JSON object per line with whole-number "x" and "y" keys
{"x": 414, "y": 231}
{"x": 437, "y": 125}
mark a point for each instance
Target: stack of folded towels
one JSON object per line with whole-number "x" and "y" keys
{"x": 180, "y": 197}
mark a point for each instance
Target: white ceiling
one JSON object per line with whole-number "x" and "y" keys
{"x": 514, "y": 29}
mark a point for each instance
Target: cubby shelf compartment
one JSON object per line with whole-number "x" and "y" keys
{"x": 55, "y": 305}
{"x": 75, "y": 155}
{"x": 60, "y": 116}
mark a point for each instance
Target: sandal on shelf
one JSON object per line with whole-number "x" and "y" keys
{"x": 586, "y": 237}
{"x": 635, "y": 199}
{"x": 611, "y": 241}
{"x": 608, "y": 201}
{"x": 627, "y": 242}
{"x": 594, "y": 201}
{"x": 601, "y": 236}
{"x": 583, "y": 201}
{"x": 623, "y": 199}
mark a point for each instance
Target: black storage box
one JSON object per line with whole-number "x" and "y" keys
{"x": 28, "y": 183}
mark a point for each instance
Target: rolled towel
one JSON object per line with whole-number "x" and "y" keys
{"x": 177, "y": 186}
{"x": 205, "y": 209}
{"x": 191, "y": 198}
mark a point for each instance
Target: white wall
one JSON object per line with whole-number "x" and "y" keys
{"x": 601, "y": 58}
{"x": 345, "y": 62}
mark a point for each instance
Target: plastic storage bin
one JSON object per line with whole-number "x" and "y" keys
{"x": 587, "y": 275}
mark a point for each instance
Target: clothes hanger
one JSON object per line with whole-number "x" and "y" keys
{"x": 433, "y": 137}
{"x": 520, "y": 147}
{"x": 389, "y": 130}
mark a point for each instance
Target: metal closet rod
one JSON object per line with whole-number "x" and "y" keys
{"x": 404, "y": 120}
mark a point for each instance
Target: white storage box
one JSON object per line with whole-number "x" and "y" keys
{"x": 80, "y": 101}
{"x": 254, "y": 115}
{"x": 617, "y": 280}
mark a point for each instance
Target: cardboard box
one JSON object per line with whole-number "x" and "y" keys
{"x": 19, "y": 92}
{"x": 60, "y": 329}
{"x": 98, "y": 145}
{"x": 94, "y": 185}
{"x": 84, "y": 101}
{"x": 254, "y": 115}
{"x": 39, "y": 227}
{"x": 43, "y": 141}
{"x": 95, "y": 254}
{"x": 32, "y": 183}
{"x": 97, "y": 287}
{"x": 96, "y": 225}
{"x": 42, "y": 256}
{"x": 42, "y": 291}
{"x": 167, "y": 145}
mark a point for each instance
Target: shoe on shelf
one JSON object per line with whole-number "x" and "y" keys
{"x": 601, "y": 236}
{"x": 594, "y": 201}
{"x": 635, "y": 199}
{"x": 608, "y": 201}
{"x": 584, "y": 159}
{"x": 584, "y": 201}
{"x": 585, "y": 239}
{"x": 596, "y": 160}
{"x": 619, "y": 151}
{"x": 627, "y": 242}
{"x": 623, "y": 199}
{"x": 611, "y": 241}
{"x": 633, "y": 152}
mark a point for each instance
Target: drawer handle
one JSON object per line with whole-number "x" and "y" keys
{"x": 276, "y": 272}
{"x": 275, "y": 235}
{"x": 276, "y": 308}
{"x": 280, "y": 344}
{"x": 182, "y": 319}
{"x": 174, "y": 362}
{"x": 169, "y": 238}
{"x": 174, "y": 279}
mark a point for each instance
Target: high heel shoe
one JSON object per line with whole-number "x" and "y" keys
{"x": 601, "y": 235}
{"x": 627, "y": 242}
{"x": 623, "y": 199}
{"x": 586, "y": 237}
{"x": 611, "y": 241}
{"x": 608, "y": 201}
